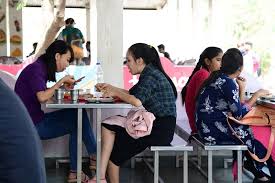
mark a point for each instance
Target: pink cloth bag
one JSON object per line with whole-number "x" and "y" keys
{"x": 262, "y": 134}
{"x": 138, "y": 122}
{"x": 258, "y": 132}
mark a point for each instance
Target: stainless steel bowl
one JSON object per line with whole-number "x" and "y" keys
{"x": 59, "y": 94}
{"x": 74, "y": 94}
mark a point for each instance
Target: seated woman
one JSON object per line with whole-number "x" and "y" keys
{"x": 210, "y": 60}
{"x": 157, "y": 93}
{"x": 32, "y": 89}
{"x": 219, "y": 97}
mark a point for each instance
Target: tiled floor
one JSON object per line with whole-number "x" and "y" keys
{"x": 141, "y": 173}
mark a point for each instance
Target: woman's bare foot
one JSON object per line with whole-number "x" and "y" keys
{"x": 93, "y": 180}
{"x": 72, "y": 177}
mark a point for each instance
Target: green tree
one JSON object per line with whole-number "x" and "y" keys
{"x": 253, "y": 20}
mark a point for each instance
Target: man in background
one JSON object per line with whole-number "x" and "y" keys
{"x": 74, "y": 37}
{"x": 161, "y": 49}
{"x": 252, "y": 62}
{"x": 253, "y": 57}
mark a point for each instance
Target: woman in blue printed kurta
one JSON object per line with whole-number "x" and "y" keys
{"x": 221, "y": 96}
{"x": 217, "y": 100}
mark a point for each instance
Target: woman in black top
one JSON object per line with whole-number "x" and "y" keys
{"x": 156, "y": 92}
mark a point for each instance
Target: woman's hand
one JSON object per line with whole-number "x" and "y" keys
{"x": 261, "y": 93}
{"x": 68, "y": 82}
{"x": 108, "y": 90}
{"x": 112, "y": 91}
{"x": 69, "y": 79}
{"x": 241, "y": 81}
{"x": 256, "y": 95}
{"x": 100, "y": 86}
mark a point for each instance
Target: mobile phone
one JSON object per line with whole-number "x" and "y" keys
{"x": 79, "y": 79}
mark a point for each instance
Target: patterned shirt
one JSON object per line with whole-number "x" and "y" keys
{"x": 155, "y": 92}
{"x": 215, "y": 102}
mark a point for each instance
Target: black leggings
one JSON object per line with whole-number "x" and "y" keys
{"x": 261, "y": 152}
{"x": 126, "y": 147}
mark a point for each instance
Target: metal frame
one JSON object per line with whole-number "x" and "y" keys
{"x": 80, "y": 106}
{"x": 177, "y": 145}
{"x": 210, "y": 149}
{"x": 158, "y": 149}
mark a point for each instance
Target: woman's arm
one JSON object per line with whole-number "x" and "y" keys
{"x": 256, "y": 95}
{"x": 241, "y": 82}
{"x": 126, "y": 97}
{"x": 43, "y": 96}
{"x": 232, "y": 98}
{"x": 111, "y": 91}
{"x": 123, "y": 90}
{"x": 102, "y": 86}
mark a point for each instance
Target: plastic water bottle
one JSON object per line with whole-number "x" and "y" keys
{"x": 99, "y": 79}
{"x": 99, "y": 73}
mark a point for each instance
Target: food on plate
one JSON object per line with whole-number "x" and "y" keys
{"x": 100, "y": 100}
{"x": 2, "y": 36}
{"x": 88, "y": 95}
{"x": 67, "y": 94}
{"x": 16, "y": 39}
{"x": 268, "y": 97}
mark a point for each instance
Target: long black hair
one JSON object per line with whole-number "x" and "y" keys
{"x": 48, "y": 58}
{"x": 232, "y": 61}
{"x": 150, "y": 55}
{"x": 209, "y": 53}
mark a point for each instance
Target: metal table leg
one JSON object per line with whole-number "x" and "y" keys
{"x": 156, "y": 167}
{"x": 199, "y": 152}
{"x": 185, "y": 167}
{"x": 239, "y": 162}
{"x": 79, "y": 144}
{"x": 210, "y": 170}
{"x": 98, "y": 144}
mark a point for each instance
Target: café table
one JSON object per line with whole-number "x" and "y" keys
{"x": 266, "y": 102}
{"x": 65, "y": 104}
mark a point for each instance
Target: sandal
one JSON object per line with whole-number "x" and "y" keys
{"x": 92, "y": 163}
{"x": 72, "y": 179}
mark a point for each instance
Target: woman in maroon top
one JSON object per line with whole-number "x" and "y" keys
{"x": 210, "y": 60}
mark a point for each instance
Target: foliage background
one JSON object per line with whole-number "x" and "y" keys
{"x": 253, "y": 20}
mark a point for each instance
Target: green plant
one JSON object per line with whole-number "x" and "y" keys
{"x": 21, "y": 4}
{"x": 265, "y": 61}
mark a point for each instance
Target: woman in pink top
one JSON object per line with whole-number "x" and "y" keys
{"x": 210, "y": 60}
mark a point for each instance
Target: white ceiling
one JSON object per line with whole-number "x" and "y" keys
{"x": 128, "y": 4}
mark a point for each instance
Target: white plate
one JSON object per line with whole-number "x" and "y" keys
{"x": 268, "y": 97}
{"x": 100, "y": 100}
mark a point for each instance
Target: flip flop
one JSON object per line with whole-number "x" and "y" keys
{"x": 84, "y": 178}
{"x": 92, "y": 164}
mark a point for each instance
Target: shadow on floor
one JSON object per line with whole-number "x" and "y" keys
{"x": 141, "y": 173}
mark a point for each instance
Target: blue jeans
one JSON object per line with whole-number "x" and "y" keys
{"x": 62, "y": 122}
